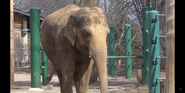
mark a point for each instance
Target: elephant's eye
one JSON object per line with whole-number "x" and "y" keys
{"x": 87, "y": 35}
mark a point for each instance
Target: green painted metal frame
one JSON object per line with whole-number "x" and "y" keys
{"x": 111, "y": 51}
{"x": 132, "y": 56}
{"x": 35, "y": 47}
{"x": 154, "y": 52}
{"x": 45, "y": 68}
{"x": 151, "y": 51}
{"x": 145, "y": 63}
{"x": 128, "y": 51}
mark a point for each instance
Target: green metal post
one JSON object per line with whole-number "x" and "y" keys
{"x": 111, "y": 51}
{"x": 122, "y": 56}
{"x": 44, "y": 68}
{"x": 128, "y": 51}
{"x": 154, "y": 52}
{"x": 145, "y": 74}
{"x": 35, "y": 47}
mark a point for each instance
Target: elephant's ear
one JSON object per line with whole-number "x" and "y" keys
{"x": 70, "y": 30}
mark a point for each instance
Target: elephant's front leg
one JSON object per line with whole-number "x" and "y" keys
{"x": 67, "y": 70}
{"x": 82, "y": 76}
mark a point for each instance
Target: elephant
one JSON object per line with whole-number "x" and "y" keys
{"x": 74, "y": 38}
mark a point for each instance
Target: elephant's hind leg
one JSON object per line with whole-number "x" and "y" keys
{"x": 59, "y": 74}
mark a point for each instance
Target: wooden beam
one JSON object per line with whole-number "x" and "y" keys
{"x": 170, "y": 47}
{"x": 24, "y": 25}
{"x": 11, "y": 44}
{"x": 24, "y": 19}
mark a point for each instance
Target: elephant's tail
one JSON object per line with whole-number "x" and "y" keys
{"x": 49, "y": 77}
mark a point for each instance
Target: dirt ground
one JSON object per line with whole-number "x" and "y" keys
{"x": 116, "y": 84}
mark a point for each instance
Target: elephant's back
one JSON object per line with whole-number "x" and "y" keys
{"x": 61, "y": 16}
{"x": 57, "y": 20}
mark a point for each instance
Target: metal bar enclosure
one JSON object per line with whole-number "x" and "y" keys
{"x": 145, "y": 73}
{"x": 11, "y": 43}
{"x": 124, "y": 56}
{"x": 35, "y": 47}
{"x": 111, "y": 51}
{"x": 154, "y": 52}
{"x": 45, "y": 69}
{"x": 128, "y": 51}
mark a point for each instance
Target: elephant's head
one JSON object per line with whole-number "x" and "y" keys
{"x": 87, "y": 30}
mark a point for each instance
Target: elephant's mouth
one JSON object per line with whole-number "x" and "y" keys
{"x": 83, "y": 50}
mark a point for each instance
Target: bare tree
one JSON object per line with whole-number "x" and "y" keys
{"x": 121, "y": 12}
{"x": 48, "y": 6}
{"x": 170, "y": 62}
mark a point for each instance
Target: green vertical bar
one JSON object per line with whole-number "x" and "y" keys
{"x": 45, "y": 68}
{"x": 128, "y": 51}
{"x": 145, "y": 74}
{"x": 111, "y": 51}
{"x": 35, "y": 47}
{"x": 154, "y": 62}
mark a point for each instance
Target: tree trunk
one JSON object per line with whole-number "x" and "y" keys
{"x": 11, "y": 44}
{"x": 170, "y": 44}
{"x": 119, "y": 63}
{"x": 105, "y": 6}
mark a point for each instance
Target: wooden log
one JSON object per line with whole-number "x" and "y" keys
{"x": 139, "y": 76}
{"x": 119, "y": 63}
{"x": 89, "y": 3}
{"x": 170, "y": 47}
{"x": 11, "y": 44}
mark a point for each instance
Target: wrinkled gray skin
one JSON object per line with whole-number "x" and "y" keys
{"x": 74, "y": 39}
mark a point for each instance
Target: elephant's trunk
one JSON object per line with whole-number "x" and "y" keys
{"x": 99, "y": 54}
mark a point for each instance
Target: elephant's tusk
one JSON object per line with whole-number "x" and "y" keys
{"x": 89, "y": 56}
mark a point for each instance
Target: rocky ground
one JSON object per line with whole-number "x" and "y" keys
{"x": 116, "y": 84}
